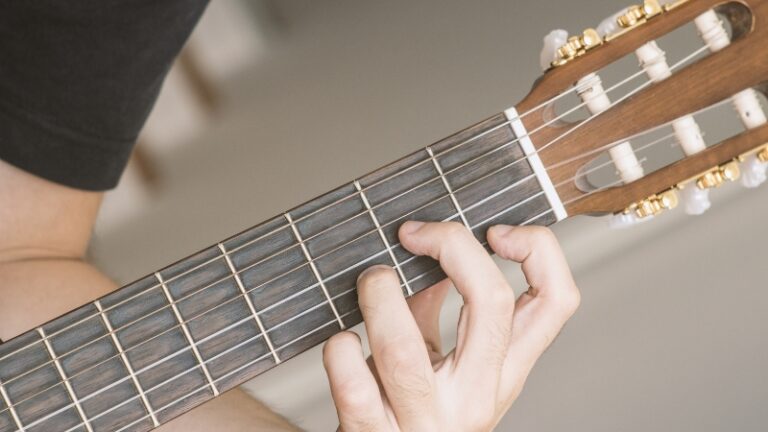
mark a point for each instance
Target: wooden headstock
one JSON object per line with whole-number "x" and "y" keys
{"x": 563, "y": 145}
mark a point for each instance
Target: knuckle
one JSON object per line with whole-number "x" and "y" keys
{"x": 454, "y": 229}
{"x": 543, "y": 235}
{"x": 396, "y": 360}
{"x": 397, "y": 353}
{"x": 354, "y": 397}
{"x": 567, "y": 300}
{"x": 571, "y": 299}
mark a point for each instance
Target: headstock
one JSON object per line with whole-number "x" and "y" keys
{"x": 668, "y": 97}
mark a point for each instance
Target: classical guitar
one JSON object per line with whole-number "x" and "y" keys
{"x": 158, "y": 347}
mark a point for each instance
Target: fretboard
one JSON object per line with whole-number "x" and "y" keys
{"x": 160, "y": 346}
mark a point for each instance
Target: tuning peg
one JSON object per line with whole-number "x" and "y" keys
{"x": 695, "y": 200}
{"x": 625, "y": 220}
{"x": 552, "y": 43}
{"x": 610, "y": 25}
{"x": 754, "y": 170}
{"x": 656, "y": 204}
{"x": 719, "y": 175}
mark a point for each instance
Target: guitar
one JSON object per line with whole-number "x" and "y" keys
{"x": 156, "y": 348}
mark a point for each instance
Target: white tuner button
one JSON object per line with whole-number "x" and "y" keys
{"x": 552, "y": 42}
{"x": 695, "y": 200}
{"x": 753, "y": 172}
{"x": 610, "y": 25}
{"x": 625, "y": 220}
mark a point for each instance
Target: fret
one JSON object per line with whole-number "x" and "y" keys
{"x": 7, "y": 407}
{"x": 314, "y": 269}
{"x": 34, "y": 386}
{"x": 127, "y": 365}
{"x": 448, "y": 187}
{"x": 249, "y": 302}
{"x": 375, "y": 220}
{"x": 65, "y": 380}
{"x": 327, "y": 212}
{"x": 95, "y": 372}
{"x": 152, "y": 350}
{"x": 185, "y": 329}
{"x": 159, "y": 352}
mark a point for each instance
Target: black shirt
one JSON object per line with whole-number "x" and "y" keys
{"x": 78, "y": 79}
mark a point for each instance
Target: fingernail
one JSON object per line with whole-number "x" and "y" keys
{"x": 370, "y": 270}
{"x": 411, "y": 227}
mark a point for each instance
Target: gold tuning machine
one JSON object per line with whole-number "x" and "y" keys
{"x": 639, "y": 14}
{"x": 762, "y": 156}
{"x": 577, "y": 46}
{"x": 655, "y": 204}
{"x": 719, "y": 175}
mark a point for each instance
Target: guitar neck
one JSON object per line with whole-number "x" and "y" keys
{"x": 160, "y": 346}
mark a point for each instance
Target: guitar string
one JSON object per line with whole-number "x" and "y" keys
{"x": 480, "y": 224}
{"x": 291, "y": 342}
{"x": 236, "y": 297}
{"x": 468, "y": 140}
{"x": 188, "y": 295}
{"x": 440, "y": 198}
{"x": 261, "y": 261}
{"x": 187, "y": 321}
{"x": 252, "y": 362}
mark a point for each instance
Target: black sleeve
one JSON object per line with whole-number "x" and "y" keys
{"x": 78, "y": 79}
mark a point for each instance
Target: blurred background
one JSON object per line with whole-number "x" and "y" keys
{"x": 275, "y": 102}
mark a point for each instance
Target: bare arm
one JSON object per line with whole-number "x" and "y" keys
{"x": 44, "y": 233}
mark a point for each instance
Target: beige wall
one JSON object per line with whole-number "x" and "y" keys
{"x": 672, "y": 332}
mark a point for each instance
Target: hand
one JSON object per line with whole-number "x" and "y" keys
{"x": 411, "y": 386}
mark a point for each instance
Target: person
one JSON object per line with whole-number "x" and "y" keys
{"x": 77, "y": 81}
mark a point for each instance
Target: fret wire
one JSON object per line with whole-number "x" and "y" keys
{"x": 187, "y": 334}
{"x": 260, "y": 358}
{"x": 375, "y": 220}
{"x": 11, "y": 408}
{"x": 470, "y": 139}
{"x": 127, "y": 364}
{"x": 447, "y": 186}
{"x": 234, "y": 371}
{"x": 65, "y": 381}
{"x": 415, "y": 278}
{"x": 314, "y": 285}
{"x": 312, "y": 265}
{"x": 249, "y": 302}
{"x": 483, "y": 201}
{"x": 27, "y": 346}
{"x": 253, "y": 338}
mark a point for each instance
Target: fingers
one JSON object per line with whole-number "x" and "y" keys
{"x": 549, "y": 303}
{"x": 488, "y": 299}
{"x": 543, "y": 262}
{"x": 425, "y": 307}
{"x": 354, "y": 390}
{"x": 398, "y": 349}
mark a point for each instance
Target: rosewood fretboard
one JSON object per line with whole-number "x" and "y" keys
{"x": 158, "y": 347}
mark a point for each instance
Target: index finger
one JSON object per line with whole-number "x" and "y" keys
{"x": 488, "y": 299}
